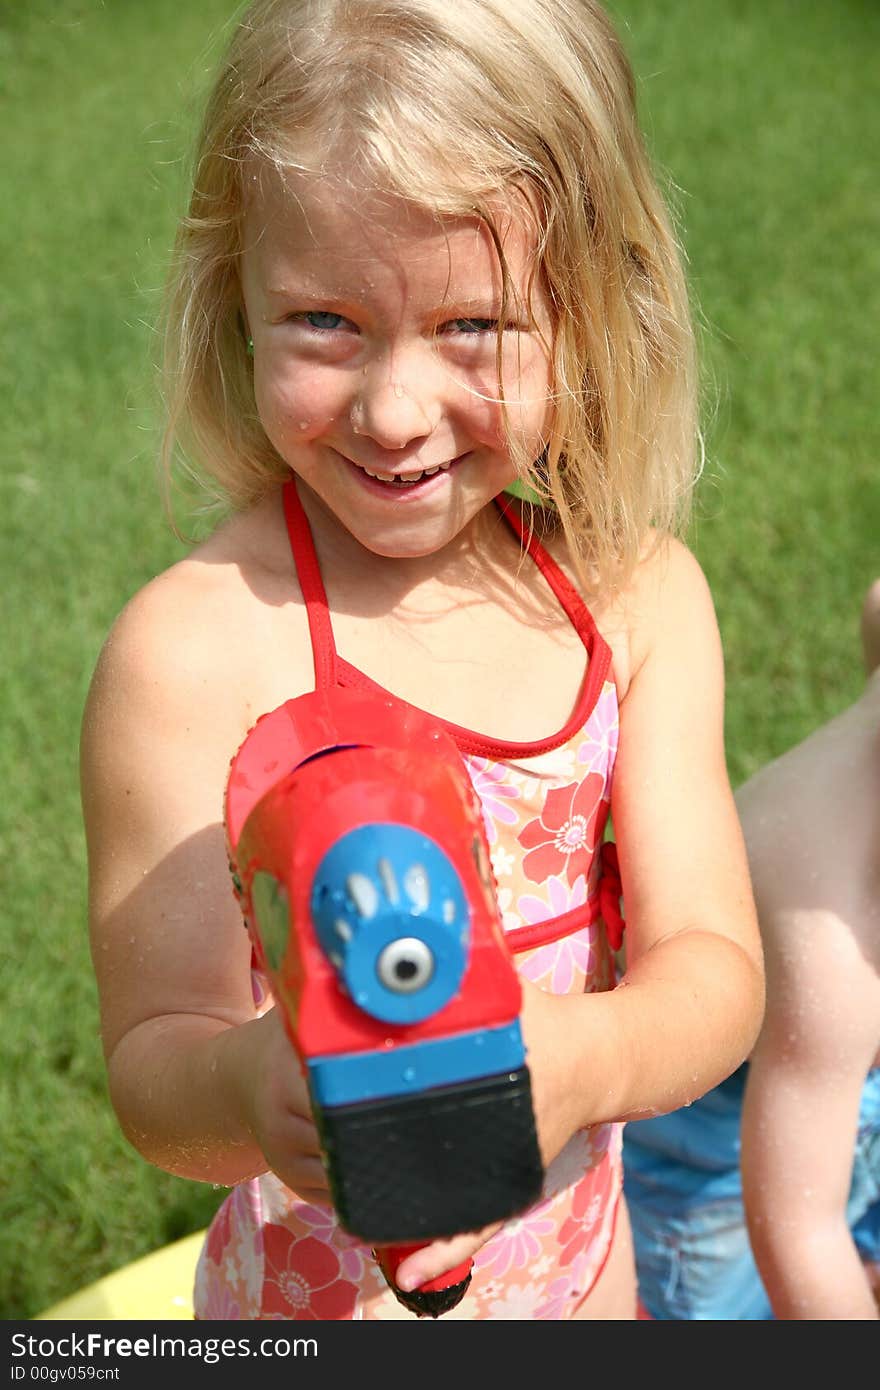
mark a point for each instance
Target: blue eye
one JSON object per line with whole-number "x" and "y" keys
{"x": 321, "y": 320}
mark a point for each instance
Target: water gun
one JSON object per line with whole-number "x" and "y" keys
{"x": 360, "y": 860}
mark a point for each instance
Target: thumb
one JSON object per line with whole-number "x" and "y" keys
{"x": 430, "y": 1261}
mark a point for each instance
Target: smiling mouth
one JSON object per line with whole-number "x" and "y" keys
{"x": 406, "y": 480}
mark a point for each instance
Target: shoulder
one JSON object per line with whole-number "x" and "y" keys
{"x": 668, "y": 592}
{"x": 201, "y": 639}
{"x": 665, "y": 606}
{"x": 813, "y": 811}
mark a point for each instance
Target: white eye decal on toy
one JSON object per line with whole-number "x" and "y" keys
{"x": 405, "y": 965}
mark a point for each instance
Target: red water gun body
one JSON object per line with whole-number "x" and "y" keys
{"x": 361, "y": 863}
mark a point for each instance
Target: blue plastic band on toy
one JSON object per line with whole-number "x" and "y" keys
{"x": 361, "y": 1076}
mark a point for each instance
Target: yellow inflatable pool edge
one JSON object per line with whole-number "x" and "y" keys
{"x": 156, "y": 1288}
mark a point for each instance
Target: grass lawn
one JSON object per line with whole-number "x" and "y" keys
{"x": 764, "y": 116}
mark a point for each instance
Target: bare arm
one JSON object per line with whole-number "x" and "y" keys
{"x": 810, "y": 821}
{"x": 690, "y": 1004}
{"x": 193, "y": 1073}
{"x": 800, "y": 1117}
{"x": 689, "y": 1008}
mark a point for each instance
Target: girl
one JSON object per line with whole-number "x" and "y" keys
{"x": 425, "y": 262}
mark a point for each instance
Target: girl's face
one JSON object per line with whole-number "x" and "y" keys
{"x": 375, "y": 356}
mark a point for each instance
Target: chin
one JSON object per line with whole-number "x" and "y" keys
{"x": 403, "y": 547}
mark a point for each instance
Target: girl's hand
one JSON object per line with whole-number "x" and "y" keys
{"x": 279, "y": 1112}
{"x": 441, "y": 1256}
{"x": 546, "y": 1027}
{"x": 553, "y": 1030}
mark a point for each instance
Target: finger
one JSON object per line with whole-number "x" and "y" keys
{"x": 440, "y": 1256}
{"x": 306, "y": 1175}
{"x": 301, "y": 1134}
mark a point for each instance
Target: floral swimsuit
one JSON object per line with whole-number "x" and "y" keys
{"x": 269, "y": 1255}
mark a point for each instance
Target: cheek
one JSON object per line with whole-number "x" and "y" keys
{"x": 301, "y": 403}
{"x": 519, "y": 396}
{"x": 485, "y": 417}
{"x": 528, "y": 395}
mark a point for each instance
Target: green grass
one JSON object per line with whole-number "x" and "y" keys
{"x": 765, "y": 117}
{"x": 97, "y": 102}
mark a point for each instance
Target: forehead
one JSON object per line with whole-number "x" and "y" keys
{"x": 332, "y": 225}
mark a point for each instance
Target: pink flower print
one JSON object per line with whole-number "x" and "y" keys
{"x": 561, "y": 899}
{"x": 509, "y": 920}
{"x": 558, "y": 1294}
{"x": 352, "y": 1252}
{"x": 247, "y": 1253}
{"x": 577, "y": 1232}
{"x": 567, "y": 1292}
{"x": 213, "y": 1299}
{"x": 566, "y": 962}
{"x": 518, "y": 1304}
{"x": 563, "y": 837}
{"x": 220, "y": 1232}
{"x": 502, "y": 862}
{"x": 302, "y": 1279}
{"x": 515, "y": 1246}
{"x": 588, "y": 1206}
{"x": 494, "y": 793}
{"x": 599, "y": 748}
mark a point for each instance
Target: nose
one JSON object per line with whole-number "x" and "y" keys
{"x": 398, "y": 402}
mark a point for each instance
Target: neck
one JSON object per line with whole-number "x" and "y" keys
{"x": 476, "y": 562}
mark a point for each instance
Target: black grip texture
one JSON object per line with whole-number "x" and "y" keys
{"x": 434, "y": 1164}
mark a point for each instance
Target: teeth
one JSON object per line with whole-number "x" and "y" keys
{"x": 408, "y": 478}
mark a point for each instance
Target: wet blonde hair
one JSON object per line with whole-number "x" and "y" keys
{"x": 449, "y": 103}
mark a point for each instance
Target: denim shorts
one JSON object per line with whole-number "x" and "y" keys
{"x": 683, "y": 1190}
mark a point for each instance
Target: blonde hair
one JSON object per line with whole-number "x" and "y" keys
{"x": 450, "y": 102}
